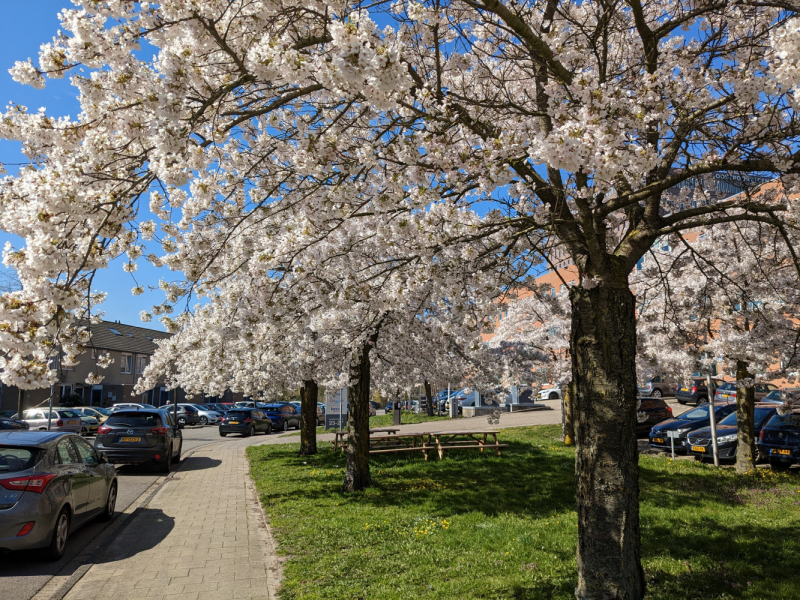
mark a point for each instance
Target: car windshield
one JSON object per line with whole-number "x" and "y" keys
{"x": 103, "y": 411}
{"x": 14, "y": 459}
{"x": 761, "y": 415}
{"x": 790, "y": 420}
{"x": 134, "y": 419}
{"x": 773, "y": 395}
{"x": 271, "y": 409}
{"x": 700, "y": 412}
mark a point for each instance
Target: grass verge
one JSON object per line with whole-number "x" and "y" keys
{"x": 479, "y": 526}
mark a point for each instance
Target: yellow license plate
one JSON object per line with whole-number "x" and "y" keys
{"x": 73, "y": 422}
{"x": 233, "y": 422}
{"x": 130, "y": 439}
{"x": 658, "y": 440}
{"x": 782, "y": 451}
{"x": 724, "y": 396}
{"x": 698, "y": 449}
{"x": 684, "y": 389}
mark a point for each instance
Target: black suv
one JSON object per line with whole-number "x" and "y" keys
{"x": 696, "y": 392}
{"x": 779, "y": 440}
{"x": 656, "y": 410}
{"x": 140, "y": 436}
{"x": 246, "y": 421}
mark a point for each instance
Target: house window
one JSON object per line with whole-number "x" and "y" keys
{"x": 141, "y": 363}
{"x": 127, "y": 363}
{"x": 66, "y": 390}
{"x": 94, "y": 353}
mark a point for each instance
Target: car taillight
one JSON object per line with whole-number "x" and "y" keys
{"x": 761, "y": 435}
{"x": 31, "y": 483}
{"x": 104, "y": 429}
{"x": 59, "y": 423}
{"x": 159, "y": 430}
{"x": 669, "y": 408}
{"x": 694, "y": 390}
{"x": 247, "y": 420}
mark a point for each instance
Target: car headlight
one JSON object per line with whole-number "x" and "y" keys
{"x": 726, "y": 438}
{"x": 683, "y": 430}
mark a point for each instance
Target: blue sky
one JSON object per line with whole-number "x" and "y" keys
{"x": 24, "y": 26}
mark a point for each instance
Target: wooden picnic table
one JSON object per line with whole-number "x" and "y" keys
{"x": 441, "y": 441}
{"x": 341, "y": 436}
{"x": 458, "y": 440}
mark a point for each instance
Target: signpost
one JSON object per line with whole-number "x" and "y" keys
{"x": 712, "y": 417}
{"x": 336, "y": 408}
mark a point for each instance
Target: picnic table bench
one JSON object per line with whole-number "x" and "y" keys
{"x": 459, "y": 440}
{"x": 341, "y": 436}
{"x": 441, "y": 441}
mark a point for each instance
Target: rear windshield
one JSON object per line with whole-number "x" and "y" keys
{"x": 68, "y": 414}
{"x": 134, "y": 419}
{"x": 237, "y": 414}
{"x": 14, "y": 459}
{"x": 272, "y": 409}
{"x": 790, "y": 420}
{"x": 727, "y": 387}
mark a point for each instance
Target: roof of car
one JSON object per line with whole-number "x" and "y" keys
{"x": 25, "y": 437}
{"x": 274, "y": 404}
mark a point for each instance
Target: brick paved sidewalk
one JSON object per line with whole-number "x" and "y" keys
{"x": 202, "y": 536}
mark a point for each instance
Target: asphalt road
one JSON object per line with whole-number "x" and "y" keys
{"x": 23, "y": 575}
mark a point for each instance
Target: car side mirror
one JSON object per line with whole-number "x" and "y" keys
{"x": 103, "y": 458}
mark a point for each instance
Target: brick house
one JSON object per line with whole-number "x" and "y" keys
{"x": 131, "y": 348}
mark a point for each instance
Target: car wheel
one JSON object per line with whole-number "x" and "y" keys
{"x": 203, "y": 420}
{"x": 111, "y": 503}
{"x": 269, "y": 428}
{"x": 58, "y": 541}
{"x": 250, "y": 431}
{"x": 177, "y": 458}
{"x": 779, "y": 466}
{"x": 656, "y": 394}
{"x": 165, "y": 466}
{"x": 553, "y": 396}
{"x": 286, "y": 425}
{"x": 222, "y": 434}
{"x": 182, "y": 421}
{"x": 700, "y": 400}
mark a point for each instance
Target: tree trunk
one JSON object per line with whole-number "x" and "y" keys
{"x": 20, "y": 402}
{"x": 308, "y": 417}
{"x": 603, "y": 347}
{"x": 357, "y": 475}
{"x": 569, "y": 427}
{"x": 745, "y": 419}
{"x": 428, "y": 398}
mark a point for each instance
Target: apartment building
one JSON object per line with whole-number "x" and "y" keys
{"x": 130, "y": 348}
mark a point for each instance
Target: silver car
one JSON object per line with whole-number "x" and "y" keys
{"x": 51, "y": 483}
{"x": 208, "y": 416}
{"x": 62, "y": 419}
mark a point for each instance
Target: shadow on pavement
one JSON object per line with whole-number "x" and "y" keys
{"x": 149, "y": 528}
{"x": 198, "y": 463}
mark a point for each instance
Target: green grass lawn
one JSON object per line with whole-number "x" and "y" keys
{"x": 479, "y": 526}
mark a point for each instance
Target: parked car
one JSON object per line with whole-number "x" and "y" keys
{"x": 187, "y": 415}
{"x": 245, "y": 421}
{"x": 89, "y": 425}
{"x": 553, "y": 393}
{"x": 206, "y": 414}
{"x": 389, "y": 407}
{"x": 62, "y": 419}
{"x": 130, "y": 406}
{"x": 52, "y": 484}
{"x": 9, "y": 424}
{"x": 283, "y": 416}
{"x": 699, "y": 442}
{"x": 141, "y": 436}
{"x": 656, "y": 410}
{"x": 781, "y": 396}
{"x": 657, "y": 387}
{"x": 101, "y": 414}
{"x": 695, "y": 392}
{"x": 689, "y": 421}
{"x": 779, "y": 441}
{"x": 244, "y": 404}
{"x": 727, "y": 391}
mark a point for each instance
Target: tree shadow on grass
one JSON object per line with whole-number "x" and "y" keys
{"x": 524, "y": 480}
